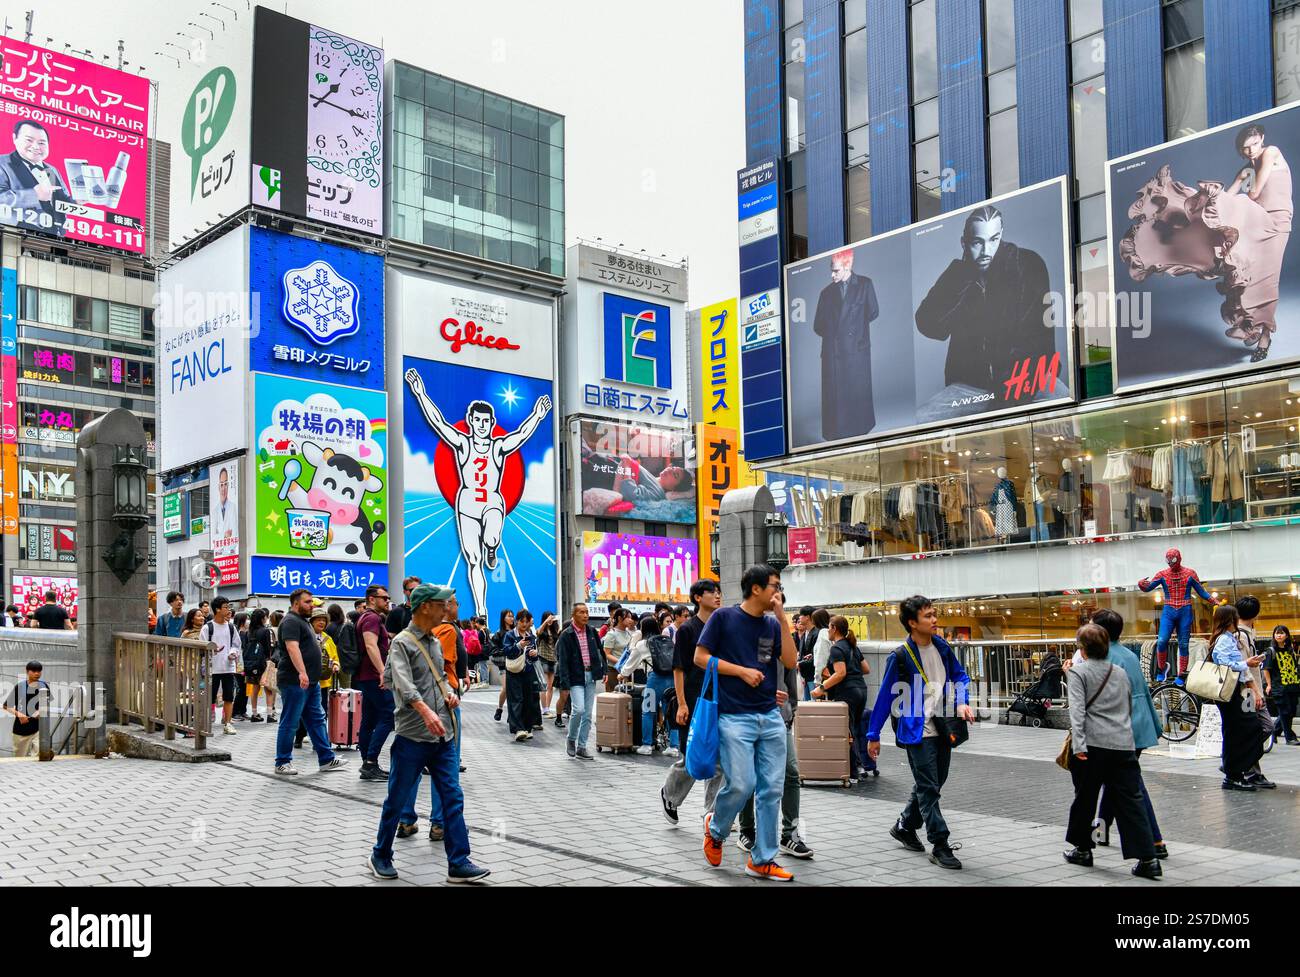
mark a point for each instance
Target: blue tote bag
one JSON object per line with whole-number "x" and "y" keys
{"x": 702, "y": 741}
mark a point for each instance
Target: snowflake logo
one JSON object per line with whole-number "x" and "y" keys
{"x": 321, "y": 302}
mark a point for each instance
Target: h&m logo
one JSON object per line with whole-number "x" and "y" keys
{"x": 638, "y": 342}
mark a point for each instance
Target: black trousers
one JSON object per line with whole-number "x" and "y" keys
{"x": 1119, "y": 773}
{"x": 525, "y": 709}
{"x": 929, "y": 761}
{"x": 1287, "y": 701}
{"x": 1243, "y": 740}
{"x": 856, "y": 698}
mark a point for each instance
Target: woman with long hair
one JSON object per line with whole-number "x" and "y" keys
{"x": 257, "y": 648}
{"x": 547, "y": 633}
{"x": 525, "y": 710}
{"x": 1266, "y": 179}
{"x": 193, "y": 623}
{"x": 846, "y": 682}
{"x": 1282, "y": 681}
{"x": 1243, "y": 745}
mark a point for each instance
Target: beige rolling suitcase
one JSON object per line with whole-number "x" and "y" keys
{"x": 613, "y": 721}
{"x": 821, "y": 741}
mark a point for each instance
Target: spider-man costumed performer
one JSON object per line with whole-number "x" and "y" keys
{"x": 1178, "y": 582}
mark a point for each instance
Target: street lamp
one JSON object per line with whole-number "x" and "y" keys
{"x": 130, "y": 509}
{"x": 715, "y": 560}
{"x": 778, "y": 543}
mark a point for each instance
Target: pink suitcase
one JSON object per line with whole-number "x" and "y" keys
{"x": 344, "y": 716}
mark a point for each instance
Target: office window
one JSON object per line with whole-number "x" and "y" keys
{"x": 56, "y": 308}
{"x": 1004, "y": 152}
{"x": 857, "y": 112}
{"x": 124, "y": 320}
{"x": 1000, "y": 70}
{"x": 1286, "y": 51}
{"x": 999, "y": 34}
{"x": 1184, "y": 39}
{"x": 855, "y": 15}
{"x": 792, "y": 74}
{"x": 856, "y": 105}
{"x": 929, "y": 179}
{"x": 925, "y": 59}
{"x": 1085, "y": 18}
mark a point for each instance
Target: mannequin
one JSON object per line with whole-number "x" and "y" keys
{"x": 1003, "y": 503}
{"x": 1178, "y": 582}
{"x": 1227, "y": 482}
{"x": 1043, "y": 495}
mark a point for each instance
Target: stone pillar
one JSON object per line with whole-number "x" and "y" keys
{"x": 742, "y": 535}
{"x": 105, "y": 604}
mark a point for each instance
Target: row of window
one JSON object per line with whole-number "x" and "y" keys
{"x": 79, "y": 312}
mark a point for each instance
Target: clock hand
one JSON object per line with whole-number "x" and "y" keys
{"x": 332, "y": 89}
{"x": 324, "y": 101}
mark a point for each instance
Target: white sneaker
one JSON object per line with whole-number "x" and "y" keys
{"x": 521, "y": 736}
{"x": 672, "y": 751}
{"x": 549, "y": 714}
{"x": 229, "y": 729}
{"x": 286, "y": 770}
{"x": 643, "y": 750}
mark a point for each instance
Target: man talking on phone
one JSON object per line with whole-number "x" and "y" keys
{"x": 747, "y": 642}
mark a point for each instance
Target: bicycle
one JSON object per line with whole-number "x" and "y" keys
{"x": 1178, "y": 711}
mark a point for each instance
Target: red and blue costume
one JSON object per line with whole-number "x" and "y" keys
{"x": 1178, "y": 583}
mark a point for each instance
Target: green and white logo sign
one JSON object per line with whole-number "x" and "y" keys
{"x": 173, "y": 515}
{"x": 207, "y": 114}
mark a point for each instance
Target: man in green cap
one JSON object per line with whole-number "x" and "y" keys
{"x": 425, "y": 726}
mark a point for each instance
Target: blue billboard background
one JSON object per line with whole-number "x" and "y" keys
{"x": 526, "y": 570}
{"x": 336, "y": 297}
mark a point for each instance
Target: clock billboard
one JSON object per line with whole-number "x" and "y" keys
{"x": 318, "y": 123}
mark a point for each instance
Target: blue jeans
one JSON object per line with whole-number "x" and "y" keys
{"x": 297, "y": 703}
{"x": 751, "y": 748}
{"x": 652, "y": 705}
{"x": 1171, "y": 617}
{"x": 409, "y": 759}
{"x": 376, "y": 718}
{"x": 435, "y": 803}
{"x": 1040, "y": 530}
{"x": 582, "y": 707}
{"x": 482, "y": 669}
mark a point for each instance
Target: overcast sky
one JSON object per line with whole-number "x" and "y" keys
{"x": 652, "y": 93}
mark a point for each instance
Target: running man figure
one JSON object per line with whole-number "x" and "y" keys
{"x": 481, "y": 459}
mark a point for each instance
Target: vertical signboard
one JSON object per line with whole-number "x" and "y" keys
{"x": 74, "y": 148}
{"x": 318, "y": 123}
{"x": 718, "y": 466}
{"x": 203, "y": 319}
{"x": 479, "y": 433}
{"x": 175, "y": 509}
{"x": 9, "y": 395}
{"x": 762, "y": 364}
{"x": 720, "y": 364}
{"x": 223, "y": 520}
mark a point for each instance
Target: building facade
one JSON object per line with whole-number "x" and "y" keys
{"x": 893, "y": 125}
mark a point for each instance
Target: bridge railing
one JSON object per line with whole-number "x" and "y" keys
{"x": 164, "y": 682}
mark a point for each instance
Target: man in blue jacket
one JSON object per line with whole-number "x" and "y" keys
{"x": 919, "y": 676}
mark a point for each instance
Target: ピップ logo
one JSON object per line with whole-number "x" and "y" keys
{"x": 321, "y": 302}
{"x": 638, "y": 342}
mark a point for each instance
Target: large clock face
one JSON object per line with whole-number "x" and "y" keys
{"x": 343, "y": 108}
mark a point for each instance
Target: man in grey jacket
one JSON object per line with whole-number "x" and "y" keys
{"x": 425, "y": 726}
{"x": 787, "y": 699}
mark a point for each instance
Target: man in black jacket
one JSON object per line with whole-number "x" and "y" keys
{"x": 846, "y": 308}
{"x": 989, "y": 306}
{"x": 579, "y": 666}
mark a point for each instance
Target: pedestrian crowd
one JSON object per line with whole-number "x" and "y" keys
{"x": 731, "y": 677}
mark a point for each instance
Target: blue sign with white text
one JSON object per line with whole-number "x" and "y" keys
{"x": 277, "y": 575}
{"x": 321, "y": 310}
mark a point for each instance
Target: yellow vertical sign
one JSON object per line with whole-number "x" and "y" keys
{"x": 720, "y": 364}
{"x": 9, "y": 479}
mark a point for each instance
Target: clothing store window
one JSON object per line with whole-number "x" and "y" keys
{"x": 1184, "y": 41}
{"x": 1286, "y": 51}
{"x": 842, "y": 498}
{"x": 1132, "y": 469}
{"x": 1264, "y": 421}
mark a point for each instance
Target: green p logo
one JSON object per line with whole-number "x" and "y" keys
{"x": 207, "y": 114}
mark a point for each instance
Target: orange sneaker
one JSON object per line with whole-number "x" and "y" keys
{"x": 712, "y": 847}
{"x": 771, "y": 871}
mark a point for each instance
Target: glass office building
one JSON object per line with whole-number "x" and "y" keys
{"x": 474, "y": 172}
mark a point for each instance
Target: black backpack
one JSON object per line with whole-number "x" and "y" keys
{"x": 349, "y": 653}
{"x": 661, "y": 653}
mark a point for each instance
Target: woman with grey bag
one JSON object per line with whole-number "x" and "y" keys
{"x": 1102, "y": 755}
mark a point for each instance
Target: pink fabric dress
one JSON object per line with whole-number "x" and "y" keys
{"x": 1217, "y": 236}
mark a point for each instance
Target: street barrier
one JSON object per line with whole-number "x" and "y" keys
{"x": 164, "y": 682}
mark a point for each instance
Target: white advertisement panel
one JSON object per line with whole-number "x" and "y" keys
{"x": 203, "y": 322}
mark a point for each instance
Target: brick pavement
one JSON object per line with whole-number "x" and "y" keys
{"x": 538, "y": 818}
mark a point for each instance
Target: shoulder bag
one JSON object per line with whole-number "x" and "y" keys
{"x": 952, "y": 727}
{"x": 1206, "y": 680}
{"x": 702, "y": 740}
{"x": 437, "y": 677}
{"x": 516, "y": 665}
{"x": 1064, "y": 758}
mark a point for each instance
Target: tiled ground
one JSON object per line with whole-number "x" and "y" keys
{"x": 537, "y": 818}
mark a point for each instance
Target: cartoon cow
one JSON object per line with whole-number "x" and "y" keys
{"x": 339, "y": 484}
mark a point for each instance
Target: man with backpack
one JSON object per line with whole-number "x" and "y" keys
{"x": 921, "y": 672}
{"x": 349, "y": 649}
{"x": 376, "y": 698}
{"x": 226, "y": 660}
{"x": 659, "y": 679}
{"x": 172, "y": 623}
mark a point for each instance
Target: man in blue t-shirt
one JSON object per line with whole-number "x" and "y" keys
{"x": 747, "y": 641}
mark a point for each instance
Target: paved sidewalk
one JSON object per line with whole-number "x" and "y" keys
{"x": 538, "y": 818}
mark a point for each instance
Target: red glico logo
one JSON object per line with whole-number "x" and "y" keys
{"x": 471, "y": 334}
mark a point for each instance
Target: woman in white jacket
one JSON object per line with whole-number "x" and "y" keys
{"x": 822, "y": 647}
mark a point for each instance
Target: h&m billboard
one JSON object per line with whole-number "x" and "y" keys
{"x": 961, "y": 316}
